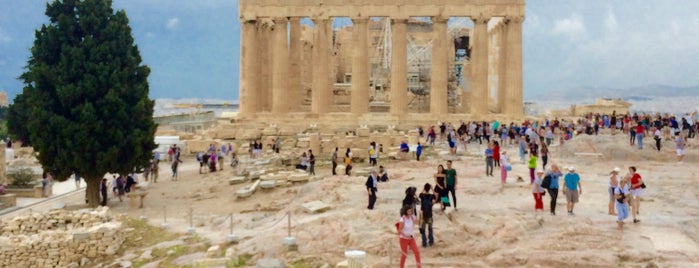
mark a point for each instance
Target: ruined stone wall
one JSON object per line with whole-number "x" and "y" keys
{"x": 59, "y": 238}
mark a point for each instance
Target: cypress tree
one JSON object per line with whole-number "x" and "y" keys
{"x": 86, "y": 95}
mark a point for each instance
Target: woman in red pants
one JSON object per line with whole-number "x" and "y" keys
{"x": 406, "y": 230}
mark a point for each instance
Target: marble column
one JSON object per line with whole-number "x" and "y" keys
{"x": 264, "y": 60}
{"x": 321, "y": 94}
{"x": 515, "y": 102}
{"x": 439, "y": 72}
{"x": 399, "y": 68}
{"x": 479, "y": 59}
{"x": 360, "y": 67}
{"x": 280, "y": 67}
{"x": 502, "y": 67}
{"x": 248, "y": 90}
{"x": 296, "y": 94}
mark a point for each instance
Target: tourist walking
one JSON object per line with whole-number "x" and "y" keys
{"x": 613, "y": 183}
{"x": 46, "y": 181}
{"x": 440, "y": 187}
{"x": 555, "y": 174}
{"x": 373, "y": 154}
{"x": 658, "y": 137}
{"x": 371, "y": 188}
{"x": 154, "y": 169}
{"x": 77, "y": 180}
{"x": 418, "y": 151}
{"x": 572, "y": 189}
{"x": 544, "y": 153}
{"x": 334, "y": 161}
{"x": 505, "y": 161}
{"x": 637, "y": 186}
{"x": 311, "y": 163}
{"x": 174, "y": 166}
{"x": 348, "y": 162}
{"x": 427, "y": 200}
{"x": 406, "y": 237}
{"x": 522, "y": 148}
{"x": 103, "y": 191}
{"x": 411, "y": 198}
{"x": 489, "y": 161}
{"x": 640, "y": 130}
{"x": 496, "y": 155}
{"x": 532, "y": 166}
{"x": 621, "y": 197}
{"x": 538, "y": 191}
{"x": 452, "y": 180}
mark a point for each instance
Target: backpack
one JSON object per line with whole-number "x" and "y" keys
{"x": 546, "y": 183}
{"x": 371, "y": 152}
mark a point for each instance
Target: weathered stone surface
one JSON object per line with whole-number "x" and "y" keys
{"x": 268, "y": 184}
{"x": 270, "y": 263}
{"x": 248, "y": 190}
{"x": 237, "y": 180}
{"x": 315, "y": 207}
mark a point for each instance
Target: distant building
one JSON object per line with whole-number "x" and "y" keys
{"x": 602, "y": 106}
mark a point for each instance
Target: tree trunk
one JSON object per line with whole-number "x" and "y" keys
{"x": 92, "y": 192}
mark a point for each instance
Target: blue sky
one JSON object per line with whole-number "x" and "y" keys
{"x": 192, "y": 47}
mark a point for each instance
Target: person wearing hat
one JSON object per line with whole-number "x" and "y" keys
{"x": 613, "y": 182}
{"x": 538, "y": 191}
{"x": 572, "y": 189}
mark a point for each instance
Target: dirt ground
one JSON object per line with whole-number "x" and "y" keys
{"x": 493, "y": 226}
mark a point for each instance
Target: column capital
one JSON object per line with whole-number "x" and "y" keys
{"x": 514, "y": 19}
{"x": 480, "y": 19}
{"x": 279, "y": 19}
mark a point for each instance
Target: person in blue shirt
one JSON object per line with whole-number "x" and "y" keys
{"x": 418, "y": 151}
{"x": 572, "y": 189}
{"x": 553, "y": 187}
{"x": 489, "y": 160}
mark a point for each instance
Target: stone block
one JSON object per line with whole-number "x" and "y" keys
{"x": 248, "y": 190}
{"x": 268, "y": 184}
{"x": 237, "y": 180}
{"x": 363, "y": 132}
{"x": 315, "y": 207}
{"x": 302, "y": 177}
{"x": 256, "y": 174}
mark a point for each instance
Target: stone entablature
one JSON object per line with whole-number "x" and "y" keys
{"x": 251, "y": 9}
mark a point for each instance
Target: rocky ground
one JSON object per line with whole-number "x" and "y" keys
{"x": 493, "y": 226}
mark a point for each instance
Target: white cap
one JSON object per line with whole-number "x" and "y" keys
{"x": 616, "y": 169}
{"x": 540, "y": 171}
{"x": 571, "y": 168}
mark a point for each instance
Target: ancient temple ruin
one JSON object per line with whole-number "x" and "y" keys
{"x": 399, "y": 61}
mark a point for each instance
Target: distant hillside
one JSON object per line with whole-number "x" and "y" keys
{"x": 634, "y": 93}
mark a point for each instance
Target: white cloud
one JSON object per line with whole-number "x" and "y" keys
{"x": 4, "y": 38}
{"x": 610, "y": 20}
{"x": 172, "y": 23}
{"x": 573, "y": 27}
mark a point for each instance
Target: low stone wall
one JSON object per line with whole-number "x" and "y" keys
{"x": 8, "y": 201}
{"x": 34, "y": 192}
{"x": 59, "y": 238}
